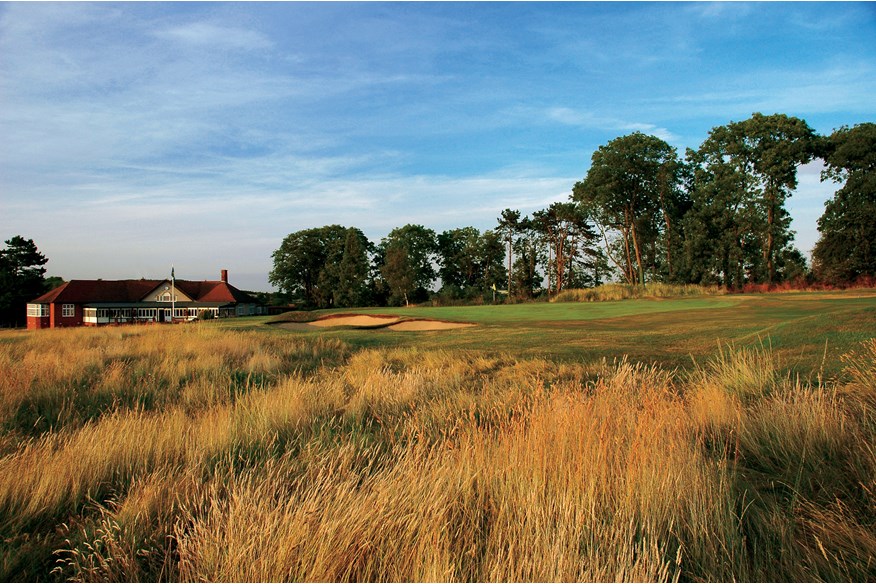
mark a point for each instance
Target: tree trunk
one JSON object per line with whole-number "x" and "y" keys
{"x": 739, "y": 261}
{"x": 548, "y": 270}
{"x": 630, "y": 276}
{"x": 510, "y": 243}
{"x": 668, "y": 222}
{"x": 561, "y": 264}
{"x": 768, "y": 252}
{"x": 607, "y": 252}
{"x": 638, "y": 254}
{"x": 668, "y": 243}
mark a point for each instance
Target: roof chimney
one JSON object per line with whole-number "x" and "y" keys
{"x": 225, "y": 276}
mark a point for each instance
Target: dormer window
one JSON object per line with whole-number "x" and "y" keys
{"x": 166, "y": 297}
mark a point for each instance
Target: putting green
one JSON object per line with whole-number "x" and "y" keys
{"x": 560, "y": 311}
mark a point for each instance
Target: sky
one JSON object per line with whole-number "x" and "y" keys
{"x": 136, "y": 136}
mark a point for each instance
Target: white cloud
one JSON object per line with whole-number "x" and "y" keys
{"x": 204, "y": 34}
{"x": 721, "y": 11}
{"x": 589, "y": 120}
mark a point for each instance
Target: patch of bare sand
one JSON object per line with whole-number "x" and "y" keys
{"x": 364, "y": 320}
{"x": 428, "y": 325}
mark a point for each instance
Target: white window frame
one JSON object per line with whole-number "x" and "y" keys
{"x": 38, "y": 310}
{"x": 68, "y": 310}
{"x": 147, "y": 313}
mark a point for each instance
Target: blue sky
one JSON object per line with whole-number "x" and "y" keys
{"x": 140, "y": 135}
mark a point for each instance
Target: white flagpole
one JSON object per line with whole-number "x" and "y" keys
{"x": 172, "y": 295}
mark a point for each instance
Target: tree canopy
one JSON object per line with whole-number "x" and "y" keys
{"x": 324, "y": 267}
{"x": 846, "y": 249}
{"x": 22, "y": 279}
{"x": 565, "y": 229}
{"x": 470, "y": 262}
{"x": 627, "y": 184}
{"x": 739, "y": 227}
{"x": 408, "y": 254}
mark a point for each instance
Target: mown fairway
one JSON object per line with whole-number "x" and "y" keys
{"x": 799, "y": 327}
{"x": 534, "y": 447}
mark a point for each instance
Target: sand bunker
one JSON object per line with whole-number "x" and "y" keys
{"x": 363, "y": 320}
{"x": 369, "y": 321}
{"x": 428, "y": 325}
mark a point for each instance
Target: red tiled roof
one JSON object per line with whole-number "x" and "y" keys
{"x": 221, "y": 291}
{"x": 84, "y": 291}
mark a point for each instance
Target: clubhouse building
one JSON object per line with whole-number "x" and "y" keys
{"x": 105, "y": 302}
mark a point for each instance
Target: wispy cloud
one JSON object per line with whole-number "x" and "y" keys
{"x": 589, "y": 120}
{"x": 211, "y": 36}
{"x": 721, "y": 12}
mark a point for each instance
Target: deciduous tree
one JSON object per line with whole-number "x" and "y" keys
{"x": 743, "y": 174}
{"x": 623, "y": 189}
{"x": 459, "y": 258}
{"x": 470, "y": 262}
{"x": 354, "y": 271}
{"x": 408, "y": 254}
{"x": 309, "y": 264}
{"x": 846, "y": 249}
{"x": 780, "y": 144}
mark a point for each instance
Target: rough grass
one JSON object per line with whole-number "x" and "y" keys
{"x": 197, "y": 453}
{"x": 613, "y": 292}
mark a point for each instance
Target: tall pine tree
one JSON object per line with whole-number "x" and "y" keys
{"x": 21, "y": 279}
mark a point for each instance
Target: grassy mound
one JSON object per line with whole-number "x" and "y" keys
{"x": 296, "y": 316}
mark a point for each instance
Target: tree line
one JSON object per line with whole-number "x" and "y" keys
{"x": 642, "y": 213}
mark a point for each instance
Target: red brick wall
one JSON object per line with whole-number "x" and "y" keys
{"x": 38, "y": 322}
{"x": 56, "y": 318}
{"x": 59, "y": 320}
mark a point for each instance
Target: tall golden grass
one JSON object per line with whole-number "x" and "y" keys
{"x": 193, "y": 453}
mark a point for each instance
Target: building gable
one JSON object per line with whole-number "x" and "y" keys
{"x": 166, "y": 292}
